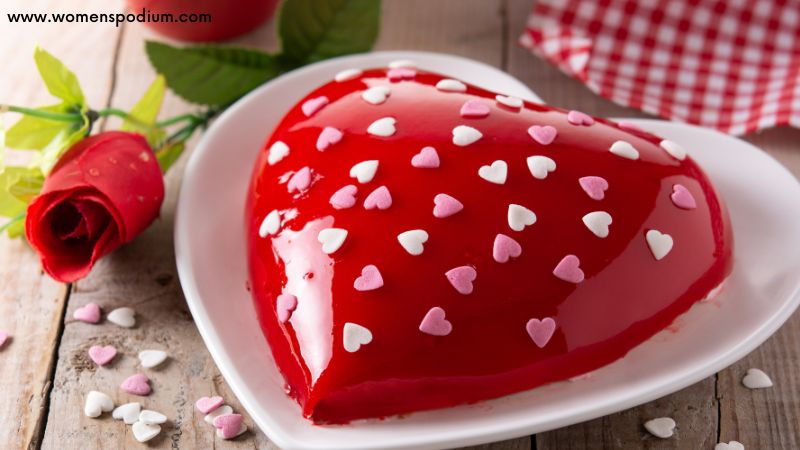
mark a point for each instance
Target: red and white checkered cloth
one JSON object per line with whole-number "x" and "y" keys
{"x": 733, "y": 65}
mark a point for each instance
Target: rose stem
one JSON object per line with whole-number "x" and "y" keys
{"x": 60, "y": 117}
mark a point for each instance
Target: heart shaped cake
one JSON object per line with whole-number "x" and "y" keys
{"x": 416, "y": 242}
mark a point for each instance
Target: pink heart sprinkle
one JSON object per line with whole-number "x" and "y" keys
{"x": 300, "y": 181}
{"x": 579, "y": 118}
{"x": 427, "y": 158}
{"x": 595, "y": 187}
{"x": 630, "y": 126}
{"x": 435, "y": 324}
{"x": 474, "y": 108}
{"x": 90, "y": 313}
{"x": 102, "y": 355}
{"x": 682, "y": 198}
{"x": 345, "y": 197}
{"x": 207, "y": 404}
{"x": 229, "y": 424}
{"x": 543, "y": 134}
{"x": 369, "y": 280}
{"x": 137, "y": 384}
{"x": 315, "y": 104}
{"x": 445, "y": 206}
{"x": 461, "y": 278}
{"x": 505, "y": 248}
{"x": 3, "y": 338}
{"x": 327, "y": 137}
{"x": 401, "y": 73}
{"x": 541, "y": 330}
{"x": 285, "y": 306}
{"x": 380, "y": 198}
{"x": 569, "y": 269}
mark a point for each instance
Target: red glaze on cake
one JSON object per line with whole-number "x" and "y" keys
{"x": 487, "y": 301}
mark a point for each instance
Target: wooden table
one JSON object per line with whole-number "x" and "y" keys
{"x": 45, "y": 370}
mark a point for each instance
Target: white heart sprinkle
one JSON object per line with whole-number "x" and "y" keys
{"x": 450, "y": 85}
{"x": 382, "y": 127}
{"x": 520, "y": 217}
{"x": 674, "y": 149}
{"x": 597, "y": 222}
{"x": 270, "y": 225}
{"x": 660, "y": 244}
{"x": 756, "y": 379}
{"x": 221, "y": 411}
{"x": 128, "y": 413}
{"x": 347, "y": 74}
{"x": 413, "y": 240}
{"x": 355, "y": 336}
{"x": 364, "y": 171}
{"x": 124, "y": 317}
{"x": 624, "y": 149}
{"x": 331, "y": 239}
{"x": 97, "y": 403}
{"x": 402, "y": 64}
{"x": 732, "y": 445}
{"x": 376, "y": 94}
{"x": 152, "y": 358}
{"x": 540, "y": 166}
{"x": 242, "y": 429}
{"x": 511, "y": 102}
{"x": 464, "y": 135}
{"x": 151, "y": 417}
{"x": 143, "y": 432}
{"x": 496, "y": 173}
{"x": 663, "y": 427}
{"x": 277, "y": 151}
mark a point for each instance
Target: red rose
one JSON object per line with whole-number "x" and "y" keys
{"x": 102, "y": 193}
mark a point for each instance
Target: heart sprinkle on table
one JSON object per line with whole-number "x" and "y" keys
{"x": 221, "y": 417}
{"x": 102, "y": 355}
{"x": 143, "y": 432}
{"x": 756, "y": 379}
{"x": 89, "y": 313}
{"x": 128, "y": 413}
{"x": 97, "y": 403}
{"x": 221, "y": 411}
{"x": 229, "y": 426}
{"x": 124, "y": 317}
{"x": 152, "y": 358}
{"x": 151, "y": 417}
{"x": 137, "y": 384}
{"x": 207, "y": 404}
{"x": 662, "y": 427}
{"x": 732, "y": 445}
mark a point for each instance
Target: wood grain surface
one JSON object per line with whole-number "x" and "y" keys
{"x": 45, "y": 371}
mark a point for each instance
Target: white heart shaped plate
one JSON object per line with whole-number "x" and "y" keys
{"x": 764, "y": 202}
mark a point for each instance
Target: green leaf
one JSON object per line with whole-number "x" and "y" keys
{"x": 60, "y": 81}
{"x": 142, "y": 117}
{"x": 211, "y": 75}
{"x": 313, "y": 30}
{"x": 35, "y": 133}
{"x": 15, "y": 226}
{"x": 28, "y": 186}
{"x": 49, "y": 154}
{"x": 17, "y": 179}
{"x": 168, "y": 154}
